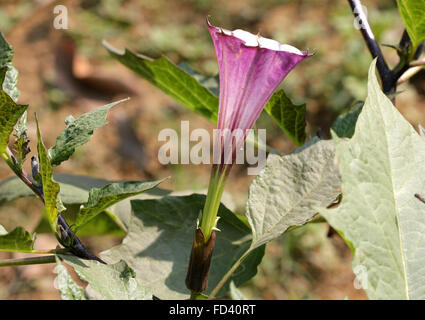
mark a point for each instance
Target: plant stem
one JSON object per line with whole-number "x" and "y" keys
{"x": 35, "y": 251}
{"x": 227, "y": 275}
{"x": 369, "y": 37}
{"x": 212, "y": 202}
{"x": 76, "y": 247}
{"x": 27, "y": 261}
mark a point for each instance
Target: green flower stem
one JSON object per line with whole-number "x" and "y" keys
{"x": 27, "y": 261}
{"x": 212, "y": 203}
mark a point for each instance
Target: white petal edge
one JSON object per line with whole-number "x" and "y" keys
{"x": 252, "y": 40}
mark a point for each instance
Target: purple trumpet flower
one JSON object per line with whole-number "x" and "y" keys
{"x": 250, "y": 69}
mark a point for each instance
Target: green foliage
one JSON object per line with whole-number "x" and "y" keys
{"x": 289, "y": 117}
{"x": 109, "y": 282}
{"x": 74, "y": 189}
{"x": 288, "y": 188}
{"x": 21, "y": 144}
{"x": 9, "y": 85}
{"x": 171, "y": 79}
{"x": 382, "y": 169}
{"x": 10, "y": 112}
{"x": 103, "y": 198}
{"x": 345, "y": 124}
{"x": 50, "y": 187}
{"x": 160, "y": 238}
{"x": 78, "y": 132}
{"x": 68, "y": 288}
{"x": 16, "y": 241}
{"x": 413, "y": 14}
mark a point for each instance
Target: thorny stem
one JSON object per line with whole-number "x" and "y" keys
{"x": 76, "y": 247}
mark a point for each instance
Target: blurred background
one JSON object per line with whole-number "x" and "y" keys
{"x": 63, "y": 72}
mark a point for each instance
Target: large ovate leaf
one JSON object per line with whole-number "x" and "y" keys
{"x": 102, "y": 198}
{"x": 171, "y": 79}
{"x": 285, "y": 192}
{"x": 382, "y": 168}
{"x": 160, "y": 238}
{"x": 10, "y": 112}
{"x": 9, "y": 84}
{"x": 66, "y": 285}
{"x": 17, "y": 240}
{"x": 78, "y": 132}
{"x": 112, "y": 282}
{"x": 50, "y": 187}
{"x": 413, "y": 14}
{"x": 289, "y": 117}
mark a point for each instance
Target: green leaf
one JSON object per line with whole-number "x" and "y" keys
{"x": 382, "y": 168}
{"x": 289, "y": 117}
{"x": 160, "y": 238}
{"x": 211, "y": 83}
{"x": 172, "y": 80}
{"x": 50, "y": 187}
{"x": 74, "y": 189}
{"x": 101, "y": 225}
{"x": 78, "y": 132}
{"x": 21, "y": 141}
{"x": 9, "y": 85}
{"x": 68, "y": 288}
{"x": 345, "y": 124}
{"x": 101, "y": 199}
{"x": 284, "y": 193}
{"x": 112, "y": 282}
{"x": 10, "y": 112}
{"x": 16, "y": 241}
{"x": 413, "y": 15}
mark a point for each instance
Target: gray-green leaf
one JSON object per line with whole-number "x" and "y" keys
{"x": 288, "y": 188}
{"x": 66, "y": 285}
{"x": 112, "y": 282}
{"x": 78, "y": 132}
{"x": 10, "y": 82}
{"x": 382, "y": 168}
{"x": 160, "y": 239}
{"x": 235, "y": 293}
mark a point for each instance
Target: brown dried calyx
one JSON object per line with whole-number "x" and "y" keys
{"x": 200, "y": 261}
